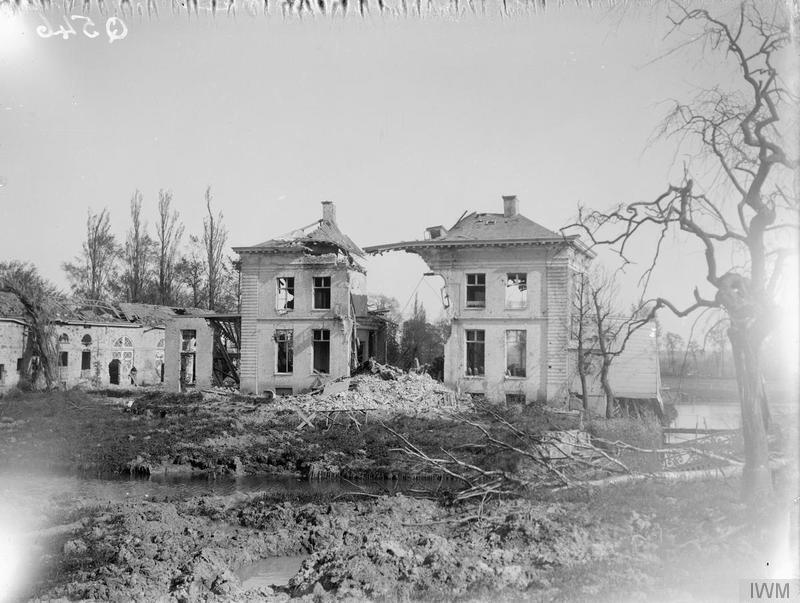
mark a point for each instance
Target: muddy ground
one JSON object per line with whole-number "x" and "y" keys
{"x": 153, "y": 433}
{"x": 640, "y": 542}
{"x": 653, "y": 542}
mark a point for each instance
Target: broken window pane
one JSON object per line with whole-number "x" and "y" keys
{"x": 517, "y": 290}
{"x": 515, "y": 353}
{"x": 322, "y": 351}
{"x": 284, "y": 339}
{"x": 322, "y": 292}
{"x": 476, "y": 291}
{"x": 475, "y": 352}
{"x": 285, "y": 293}
{"x": 86, "y": 340}
{"x": 188, "y": 349}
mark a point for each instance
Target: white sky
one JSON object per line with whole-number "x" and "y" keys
{"x": 403, "y": 123}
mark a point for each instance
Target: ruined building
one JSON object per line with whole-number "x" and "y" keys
{"x": 507, "y": 289}
{"x": 304, "y": 313}
{"x": 97, "y": 344}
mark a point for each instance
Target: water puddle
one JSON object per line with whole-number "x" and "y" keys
{"x": 275, "y": 571}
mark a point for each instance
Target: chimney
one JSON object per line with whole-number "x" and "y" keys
{"x": 510, "y": 206}
{"x": 329, "y": 212}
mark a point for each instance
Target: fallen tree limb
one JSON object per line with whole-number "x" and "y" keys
{"x": 672, "y": 476}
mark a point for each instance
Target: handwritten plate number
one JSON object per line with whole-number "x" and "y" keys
{"x": 86, "y": 25}
{"x": 116, "y": 29}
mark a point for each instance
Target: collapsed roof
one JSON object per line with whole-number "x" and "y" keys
{"x": 484, "y": 228}
{"x": 320, "y": 238}
{"x": 82, "y": 311}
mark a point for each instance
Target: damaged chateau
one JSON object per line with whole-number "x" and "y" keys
{"x": 305, "y": 319}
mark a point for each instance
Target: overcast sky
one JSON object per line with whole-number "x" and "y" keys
{"x": 403, "y": 123}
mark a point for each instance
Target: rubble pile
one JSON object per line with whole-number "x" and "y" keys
{"x": 406, "y": 392}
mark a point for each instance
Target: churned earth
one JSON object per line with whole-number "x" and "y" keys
{"x": 649, "y": 541}
{"x": 663, "y": 542}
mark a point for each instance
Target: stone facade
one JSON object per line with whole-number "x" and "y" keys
{"x": 324, "y": 320}
{"x": 505, "y": 344}
{"x": 12, "y": 346}
{"x": 87, "y": 350}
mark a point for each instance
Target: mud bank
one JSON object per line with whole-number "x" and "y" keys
{"x": 652, "y": 543}
{"x": 152, "y": 433}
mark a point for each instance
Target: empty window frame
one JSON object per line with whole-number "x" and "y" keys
{"x": 19, "y": 365}
{"x": 284, "y": 340}
{"x": 322, "y": 293}
{"x": 63, "y": 359}
{"x": 476, "y": 290}
{"x": 322, "y": 351}
{"x": 476, "y": 350}
{"x": 2, "y": 374}
{"x": 515, "y": 353}
{"x": 285, "y": 298}
{"x": 86, "y": 360}
{"x": 188, "y": 356}
{"x": 516, "y": 290}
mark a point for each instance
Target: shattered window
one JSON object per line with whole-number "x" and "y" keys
{"x": 475, "y": 352}
{"x": 515, "y": 353}
{"x": 322, "y": 351}
{"x": 63, "y": 338}
{"x": 517, "y": 290}
{"x": 86, "y": 340}
{"x": 285, "y": 341}
{"x": 286, "y": 293}
{"x": 322, "y": 292}
{"x": 515, "y": 398}
{"x": 476, "y": 291}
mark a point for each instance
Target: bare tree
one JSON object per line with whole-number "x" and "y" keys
{"x": 138, "y": 253}
{"x": 215, "y": 236}
{"x": 92, "y": 273}
{"x": 674, "y": 343}
{"x": 579, "y": 331}
{"x": 168, "y": 237}
{"x": 754, "y": 210}
{"x": 191, "y": 271}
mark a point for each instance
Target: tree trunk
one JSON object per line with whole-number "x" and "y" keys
{"x": 756, "y": 478}
{"x": 611, "y": 401}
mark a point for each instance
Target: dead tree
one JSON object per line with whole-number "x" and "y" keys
{"x": 91, "y": 274}
{"x": 168, "y": 236}
{"x": 601, "y": 331}
{"x": 138, "y": 253}
{"x": 754, "y": 212}
{"x": 214, "y": 237}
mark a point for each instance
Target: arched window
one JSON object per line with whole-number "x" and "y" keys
{"x": 63, "y": 338}
{"x": 123, "y": 342}
{"x": 86, "y": 340}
